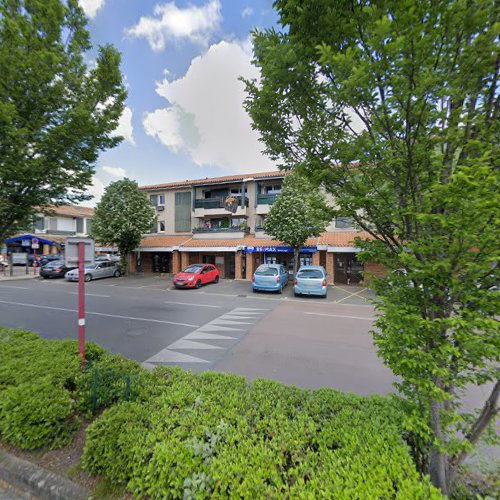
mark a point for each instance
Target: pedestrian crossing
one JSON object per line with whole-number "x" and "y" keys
{"x": 207, "y": 344}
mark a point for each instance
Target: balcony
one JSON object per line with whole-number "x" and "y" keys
{"x": 264, "y": 202}
{"x": 206, "y": 232}
{"x": 215, "y": 206}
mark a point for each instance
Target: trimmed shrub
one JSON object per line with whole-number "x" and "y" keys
{"x": 36, "y": 415}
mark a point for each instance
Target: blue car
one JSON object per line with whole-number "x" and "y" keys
{"x": 311, "y": 280}
{"x": 270, "y": 278}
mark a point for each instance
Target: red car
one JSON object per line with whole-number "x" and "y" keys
{"x": 196, "y": 275}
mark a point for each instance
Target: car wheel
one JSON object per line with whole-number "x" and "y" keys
{"x": 216, "y": 280}
{"x": 117, "y": 274}
{"x": 198, "y": 284}
{"x": 280, "y": 291}
{"x": 254, "y": 290}
{"x": 296, "y": 294}
{"x": 88, "y": 277}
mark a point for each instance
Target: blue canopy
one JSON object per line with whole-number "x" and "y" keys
{"x": 23, "y": 237}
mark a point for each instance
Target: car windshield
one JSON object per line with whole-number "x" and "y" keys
{"x": 55, "y": 263}
{"x": 310, "y": 273}
{"x": 193, "y": 269}
{"x": 266, "y": 271}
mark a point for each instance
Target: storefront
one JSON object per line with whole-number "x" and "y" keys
{"x": 281, "y": 255}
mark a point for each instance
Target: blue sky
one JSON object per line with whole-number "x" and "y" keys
{"x": 181, "y": 60}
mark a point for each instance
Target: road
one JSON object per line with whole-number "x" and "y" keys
{"x": 305, "y": 341}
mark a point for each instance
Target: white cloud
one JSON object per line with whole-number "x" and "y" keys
{"x": 90, "y": 7}
{"x": 193, "y": 23}
{"x": 246, "y": 12}
{"x": 96, "y": 190}
{"x": 115, "y": 171}
{"x": 125, "y": 127}
{"x": 205, "y": 117}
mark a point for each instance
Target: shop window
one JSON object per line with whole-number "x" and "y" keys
{"x": 344, "y": 222}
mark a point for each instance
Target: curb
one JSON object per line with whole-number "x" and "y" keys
{"x": 40, "y": 482}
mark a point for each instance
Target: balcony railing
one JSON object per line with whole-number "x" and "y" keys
{"x": 208, "y": 203}
{"x": 206, "y": 229}
{"x": 266, "y": 199}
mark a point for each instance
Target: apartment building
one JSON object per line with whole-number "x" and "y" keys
{"x": 51, "y": 229}
{"x": 220, "y": 221}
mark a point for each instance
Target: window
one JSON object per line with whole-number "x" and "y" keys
{"x": 52, "y": 224}
{"x": 89, "y": 225}
{"x": 275, "y": 189}
{"x": 183, "y": 212}
{"x": 153, "y": 199}
{"x": 161, "y": 226}
{"x": 79, "y": 224}
{"x": 161, "y": 200}
{"x": 266, "y": 271}
{"x": 344, "y": 222}
{"x": 39, "y": 224}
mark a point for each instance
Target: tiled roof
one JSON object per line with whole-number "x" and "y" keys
{"x": 216, "y": 180}
{"x": 163, "y": 241}
{"x": 70, "y": 211}
{"x": 337, "y": 239}
{"x": 341, "y": 238}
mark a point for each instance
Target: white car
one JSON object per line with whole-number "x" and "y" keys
{"x": 101, "y": 269}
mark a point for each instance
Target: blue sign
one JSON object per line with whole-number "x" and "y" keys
{"x": 279, "y": 249}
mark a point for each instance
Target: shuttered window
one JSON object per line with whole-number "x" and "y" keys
{"x": 183, "y": 212}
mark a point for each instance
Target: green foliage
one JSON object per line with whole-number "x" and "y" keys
{"x": 393, "y": 106}
{"x": 123, "y": 216}
{"x": 300, "y": 212}
{"x": 36, "y": 415}
{"x": 56, "y": 114}
{"x": 214, "y": 434}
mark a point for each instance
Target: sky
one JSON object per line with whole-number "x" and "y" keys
{"x": 181, "y": 61}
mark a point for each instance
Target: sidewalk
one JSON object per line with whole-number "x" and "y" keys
{"x": 19, "y": 273}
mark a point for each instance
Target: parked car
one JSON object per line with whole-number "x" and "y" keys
{"x": 311, "y": 280}
{"x": 196, "y": 275}
{"x": 270, "y": 278}
{"x": 49, "y": 258}
{"x": 54, "y": 269}
{"x": 107, "y": 257}
{"x": 98, "y": 270}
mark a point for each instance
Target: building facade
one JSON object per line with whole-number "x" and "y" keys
{"x": 220, "y": 221}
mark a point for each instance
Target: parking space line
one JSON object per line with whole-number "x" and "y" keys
{"x": 354, "y": 294}
{"x": 118, "y": 316}
{"x": 16, "y": 287}
{"x": 340, "y": 316}
{"x": 191, "y": 304}
{"x": 91, "y": 294}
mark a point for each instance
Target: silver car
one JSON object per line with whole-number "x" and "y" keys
{"x": 311, "y": 280}
{"x": 102, "y": 269}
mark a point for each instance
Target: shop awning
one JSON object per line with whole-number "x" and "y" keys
{"x": 279, "y": 249}
{"x": 28, "y": 237}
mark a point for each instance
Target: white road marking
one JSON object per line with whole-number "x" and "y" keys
{"x": 91, "y": 294}
{"x": 191, "y": 304}
{"x": 16, "y": 287}
{"x": 198, "y": 335}
{"x": 167, "y": 356}
{"x": 150, "y": 320}
{"x": 189, "y": 344}
{"x": 340, "y": 316}
{"x": 223, "y": 322}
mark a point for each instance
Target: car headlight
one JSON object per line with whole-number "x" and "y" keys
{"x": 191, "y": 278}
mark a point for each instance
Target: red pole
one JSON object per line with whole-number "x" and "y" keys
{"x": 81, "y": 300}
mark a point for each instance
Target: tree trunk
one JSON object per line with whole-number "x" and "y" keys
{"x": 296, "y": 253}
{"x": 123, "y": 263}
{"x": 438, "y": 461}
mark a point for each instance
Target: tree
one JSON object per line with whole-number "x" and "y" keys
{"x": 56, "y": 114}
{"x": 393, "y": 105}
{"x": 300, "y": 212}
{"x": 122, "y": 217}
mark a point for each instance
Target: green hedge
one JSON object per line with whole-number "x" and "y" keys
{"x": 185, "y": 435}
{"x": 214, "y": 434}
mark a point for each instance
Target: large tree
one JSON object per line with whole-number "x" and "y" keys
{"x": 300, "y": 212}
{"x": 393, "y": 105}
{"x": 122, "y": 217}
{"x": 56, "y": 114}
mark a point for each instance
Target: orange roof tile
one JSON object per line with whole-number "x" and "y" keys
{"x": 216, "y": 180}
{"x": 163, "y": 241}
{"x": 342, "y": 238}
